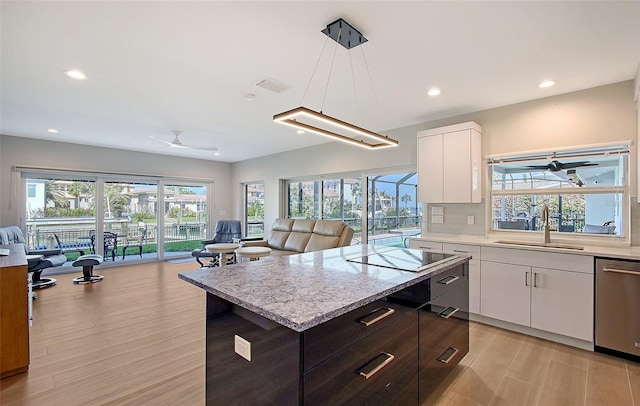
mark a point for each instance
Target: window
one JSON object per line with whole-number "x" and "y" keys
{"x": 393, "y": 210}
{"x": 394, "y": 213}
{"x": 76, "y": 206}
{"x": 583, "y": 189}
{"x": 254, "y": 209}
{"x": 337, "y": 199}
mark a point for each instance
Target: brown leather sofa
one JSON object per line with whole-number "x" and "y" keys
{"x": 289, "y": 236}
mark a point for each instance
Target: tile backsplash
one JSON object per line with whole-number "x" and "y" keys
{"x": 455, "y": 218}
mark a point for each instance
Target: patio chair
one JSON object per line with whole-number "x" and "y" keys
{"x": 134, "y": 241}
{"x": 110, "y": 244}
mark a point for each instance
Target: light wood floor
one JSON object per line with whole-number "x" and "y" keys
{"x": 137, "y": 338}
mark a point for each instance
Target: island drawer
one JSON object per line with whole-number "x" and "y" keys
{"x": 331, "y": 337}
{"x": 444, "y": 337}
{"x": 422, "y": 292}
{"x": 449, "y": 279}
{"x": 366, "y": 367}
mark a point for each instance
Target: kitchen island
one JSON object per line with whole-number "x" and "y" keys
{"x": 334, "y": 326}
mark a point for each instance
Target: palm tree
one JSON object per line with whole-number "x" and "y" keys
{"x": 114, "y": 199}
{"x": 76, "y": 189}
{"x": 405, "y": 199}
{"x": 53, "y": 194}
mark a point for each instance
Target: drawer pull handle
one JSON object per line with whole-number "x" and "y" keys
{"x": 448, "y": 280}
{"x": 621, "y": 271}
{"x": 375, "y": 365}
{"x": 376, "y": 315}
{"x": 461, "y": 251}
{"x": 426, "y": 248}
{"x": 449, "y": 354}
{"x": 448, "y": 312}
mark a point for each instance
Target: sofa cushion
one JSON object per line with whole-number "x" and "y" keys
{"x": 329, "y": 228}
{"x": 303, "y": 226}
{"x": 297, "y": 241}
{"x": 279, "y": 233}
{"x": 319, "y": 242}
{"x": 277, "y": 239}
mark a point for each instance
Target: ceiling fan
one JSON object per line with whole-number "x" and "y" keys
{"x": 556, "y": 166}
{"x": 176, "y": 143}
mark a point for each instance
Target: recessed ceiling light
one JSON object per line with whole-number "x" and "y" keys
{"x": 53, "y": 130}
{"x": 434, "y": 91}
{"x": 250, "y": 96}
{"x": 300, "y": 132}
{"x": 216, "y": 153}
{"x": 547, "y": 83}
{"x": 75, "y": 74}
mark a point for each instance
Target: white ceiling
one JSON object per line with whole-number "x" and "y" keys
{"x": 157, "y": 66}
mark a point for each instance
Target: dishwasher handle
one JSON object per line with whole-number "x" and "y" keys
{"x": 624, "y": 271}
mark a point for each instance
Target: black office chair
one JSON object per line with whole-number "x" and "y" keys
{"x": 37, "y": 260}
{"x": 226, "y": 231}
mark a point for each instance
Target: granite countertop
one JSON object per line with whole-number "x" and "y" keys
{"x": 598, "y": 249}
{"x": 302, "y": 291}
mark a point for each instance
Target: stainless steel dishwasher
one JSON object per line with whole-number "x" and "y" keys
{"x": 617, "y": 321}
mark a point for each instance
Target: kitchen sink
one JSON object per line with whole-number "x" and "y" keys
{"x": 540, "y": 244}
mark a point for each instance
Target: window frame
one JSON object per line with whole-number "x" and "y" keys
{"x": 586, "y": 152}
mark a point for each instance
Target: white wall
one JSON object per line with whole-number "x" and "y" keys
{"x": 591, "y": 116}
{"x": 50, "y": 154}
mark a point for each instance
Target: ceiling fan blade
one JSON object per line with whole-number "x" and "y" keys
{"x": 169, "y": 143}
{"x": 537, "y": 167}
{"x": 572, "y": 165}
{"x": 202, "y": 147}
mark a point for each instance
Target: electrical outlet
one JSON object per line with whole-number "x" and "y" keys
{"x": 437, "y": 219}
{"x": 242, "y": 347}
{"x": 437, "y": 210}
{"x": 471, "y": 220}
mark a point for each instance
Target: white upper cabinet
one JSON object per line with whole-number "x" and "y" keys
{"x": 449, "y": 164}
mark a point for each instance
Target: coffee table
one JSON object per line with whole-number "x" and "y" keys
{"x": 253, "y": 253}
{"x": 223, "y": 249}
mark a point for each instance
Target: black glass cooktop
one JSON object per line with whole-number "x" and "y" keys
{"x": 402, "y": 259}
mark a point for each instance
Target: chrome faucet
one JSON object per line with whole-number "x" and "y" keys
{"x": 545, "y": 220}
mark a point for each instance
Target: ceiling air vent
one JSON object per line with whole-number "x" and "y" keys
{"x": 272, "y": 85}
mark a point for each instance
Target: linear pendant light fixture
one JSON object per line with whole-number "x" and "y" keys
{"x": 309, "y": 120}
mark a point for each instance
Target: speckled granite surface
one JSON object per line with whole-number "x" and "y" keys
{"x": 302, "y": 291}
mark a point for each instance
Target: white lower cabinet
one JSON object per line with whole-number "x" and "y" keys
{"x": 562, "y": 302}
{"x": 505, "y": 296}
{"x": 554, "y": 300}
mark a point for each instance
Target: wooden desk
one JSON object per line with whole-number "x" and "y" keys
{"x": 14, "y": 312}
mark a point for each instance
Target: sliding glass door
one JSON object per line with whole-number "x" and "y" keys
{"x": 185, "y": 217}
{"x": 60, "y": 213}
{"x": 122, "y": 218}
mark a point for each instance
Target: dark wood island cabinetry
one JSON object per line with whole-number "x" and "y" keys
{"x": 392, "y": 349}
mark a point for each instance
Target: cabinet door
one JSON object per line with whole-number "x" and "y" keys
{"x": 505, "y": 292}
{"x": 562, "y": 302}
{"x": 430, "y": 160}
{"x": 457, "y": 167}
